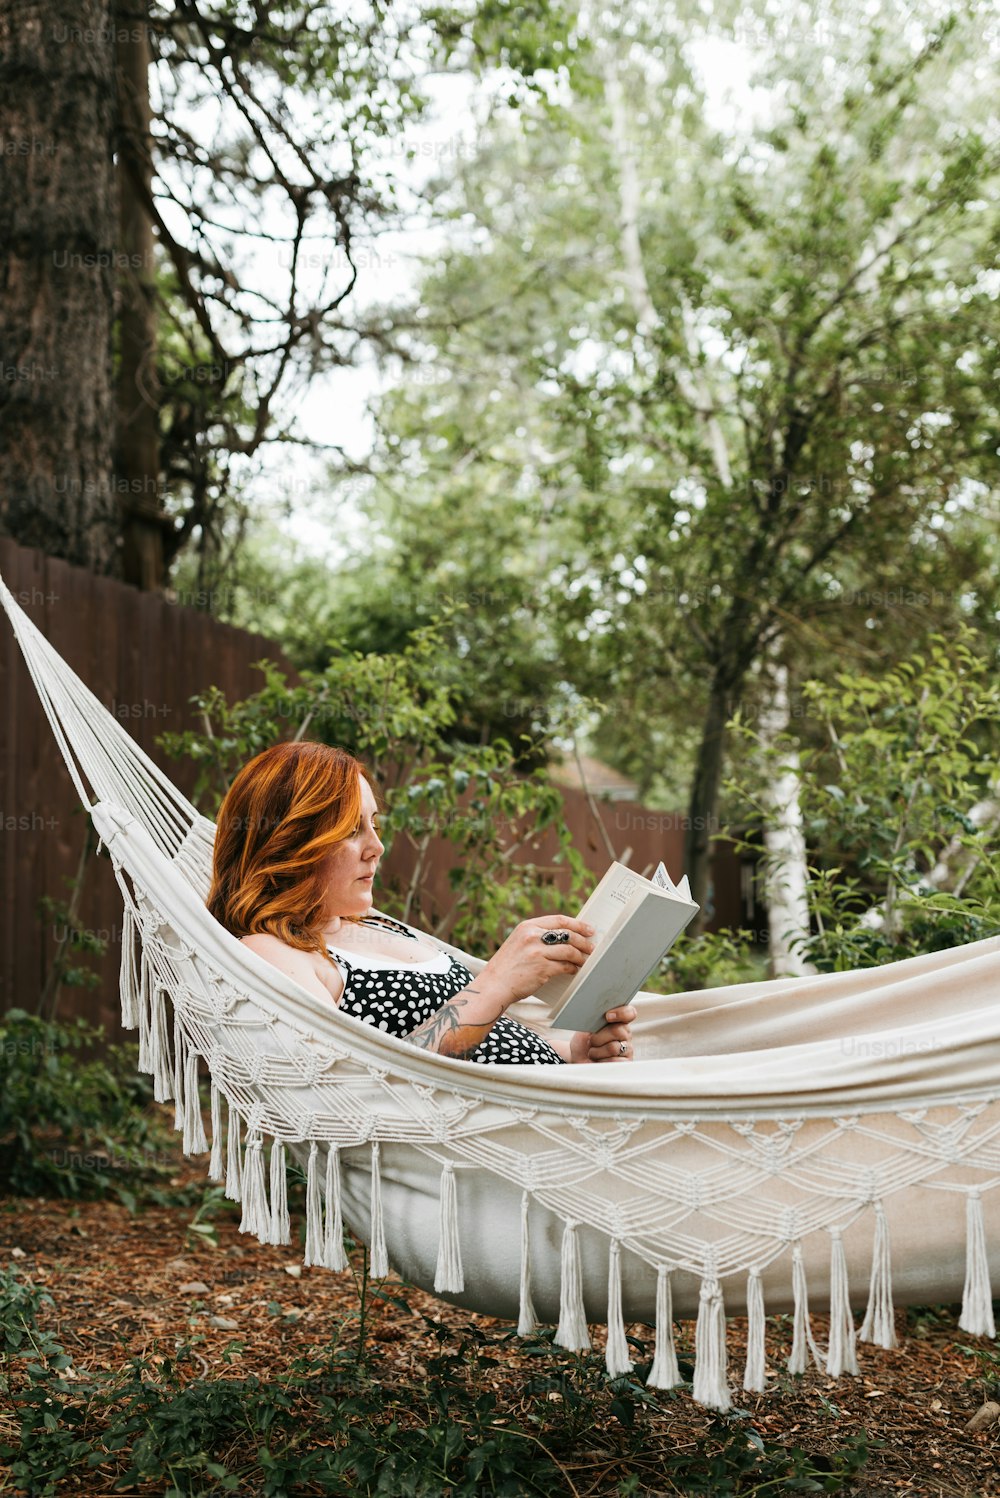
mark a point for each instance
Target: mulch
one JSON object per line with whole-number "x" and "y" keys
{"x": 118, "y": 1286}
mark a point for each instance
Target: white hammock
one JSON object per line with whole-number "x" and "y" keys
{"x": 839, "y": 1132}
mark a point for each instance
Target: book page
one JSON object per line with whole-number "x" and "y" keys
{"x": 636, "y": 922}
{"x": 619, "y": 891}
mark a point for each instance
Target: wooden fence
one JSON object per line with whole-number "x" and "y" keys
{"x": 145, "y": 657}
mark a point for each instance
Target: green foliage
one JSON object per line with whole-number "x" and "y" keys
{"x": 395, "y": 711}
{"x": 890, "y": 772}
{"x": 713, "y": 959}
{"x": 72, "y": 1126}
{"x": 820, "y": 308}
{"x": 329, "y": 1425}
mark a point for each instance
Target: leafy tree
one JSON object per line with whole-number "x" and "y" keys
{"x": 735, "y": 383}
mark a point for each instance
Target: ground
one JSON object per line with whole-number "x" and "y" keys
{"x": 121, "y": 1284}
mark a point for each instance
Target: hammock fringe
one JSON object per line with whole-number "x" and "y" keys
{"x": 159, "y": 1044}
{"x": 313, "y": 1253}
{"x": 977, "y": 1296}
{"x": 664, "y": 1374}
{"x": 879, "y": 1323}
{"x": 616, "y": 1358}
{"x": 755, "y": 1374}
{"x": 527, "y": 1318}
{"x": 216, "y": 1170}
{"x": 195, "y": 1142}
{"x": 334, "y": 1253}
{"x": 448, "y": 1275}
{"x": 234, "y": 1162}
{"x": 710, "y": 1386}
{"x": 803, "y": 1343}
{"x": 256, "y": 1218}
{"x": 572, "y": 1331}
{"x": 128, "y": 981}
{"x": 841, "y": 1354}
{"x": 279, "y": 1229}
{"x": 379, "y": 1258}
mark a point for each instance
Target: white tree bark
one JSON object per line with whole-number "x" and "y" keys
{"x": 786, "y": 874}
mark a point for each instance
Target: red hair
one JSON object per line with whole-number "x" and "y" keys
{"x": 287, "y": 809}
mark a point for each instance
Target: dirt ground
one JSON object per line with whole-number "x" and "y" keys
{"x": 119, "y": 1282}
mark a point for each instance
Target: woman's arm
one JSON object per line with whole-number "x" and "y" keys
{"x": 519, "y": 968}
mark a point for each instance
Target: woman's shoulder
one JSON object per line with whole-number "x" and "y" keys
{"x": 298, "y": 964}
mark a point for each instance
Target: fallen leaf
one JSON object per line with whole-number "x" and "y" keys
{"x": 984, "y": 1417}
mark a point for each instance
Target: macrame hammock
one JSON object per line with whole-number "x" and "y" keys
{"x": 834, "y": 1137}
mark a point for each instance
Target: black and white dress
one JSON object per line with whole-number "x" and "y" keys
{"x": 398, "y": 996}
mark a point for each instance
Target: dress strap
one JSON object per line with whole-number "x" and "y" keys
{"x": 387, "y": 920}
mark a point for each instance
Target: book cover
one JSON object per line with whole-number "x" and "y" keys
{"x": 636, "y": 921}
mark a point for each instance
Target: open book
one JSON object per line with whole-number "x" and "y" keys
{"x": 636, "y": 921}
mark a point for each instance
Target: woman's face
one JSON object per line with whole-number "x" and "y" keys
{"x": 352, "y": 864}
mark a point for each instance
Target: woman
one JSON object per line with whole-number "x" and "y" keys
{"x": 296, "y": 851}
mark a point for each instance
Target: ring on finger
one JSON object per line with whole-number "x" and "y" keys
{"x": 555, "y": 938}
{"x": 623, "y": 1048}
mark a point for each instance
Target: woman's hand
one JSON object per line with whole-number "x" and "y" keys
{"x": 613, "y": 1042}
{"x": 525, "y": 962}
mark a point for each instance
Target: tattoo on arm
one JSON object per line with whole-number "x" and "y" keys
{"x": 445, "y": 1032}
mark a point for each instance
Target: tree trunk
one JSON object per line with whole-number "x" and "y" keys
{"x": 786, "y": 873}
{"x": 137, "y": 437}
{"x": 703, "y": 805}
{"x": 57, "y": 254}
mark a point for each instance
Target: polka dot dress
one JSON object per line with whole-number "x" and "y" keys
{"x": 398, "y": 998}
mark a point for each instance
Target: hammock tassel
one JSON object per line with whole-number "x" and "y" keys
{"x": 710, "y": 1387}
{"x": 256, "y": 1218}
{"x": 879, "y": 1323}
{"x": 234, "y": 1163}
{"x": 977, "y": 1297}
{"x": 279, "y": 1228}
{"x": 195, "y": 1142}
{"x": 664, "y": 1373}
{"x": 754, "y": 1374}
{"x": 179, "y": 1050}
{"x": 841, "y": 1354}
{"x": 159, "y": 1046}
{"x": 334, "y": 1256}
{"x": 527, "y": 1318}
{"x": 616, "y": 1358}
{"x": 802, "y": 1337}
{"x": 379, "y": 1259}
{"x": 314, "y": 1210}
{"x": 144, "y": 997}
{"x": 128, "y": 986}
{"x": 572, "y": 1332}
{"x": 449, "y": 1275}
{"x": 216, "y": 1171}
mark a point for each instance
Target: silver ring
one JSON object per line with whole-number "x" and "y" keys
{"x": 623, "y": 1047}
{"x": 555, "y": 938}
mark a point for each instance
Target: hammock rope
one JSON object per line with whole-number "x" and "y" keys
{"x": 753, "y": 1172}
